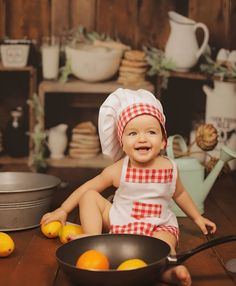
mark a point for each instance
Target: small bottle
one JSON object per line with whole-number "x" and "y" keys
{"x": 15, "y": 139}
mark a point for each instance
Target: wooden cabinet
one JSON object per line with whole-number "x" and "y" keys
{"x": 17, "y": 85}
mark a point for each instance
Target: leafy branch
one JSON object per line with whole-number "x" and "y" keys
{"x": 159, "y": 64}
{"x": 223, "y": 70}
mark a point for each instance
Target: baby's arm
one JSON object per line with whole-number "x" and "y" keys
{"x": 185, "y": 202}
{"x": 99, "y": 183}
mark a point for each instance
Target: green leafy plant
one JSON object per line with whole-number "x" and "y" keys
{"x": 223, "y": 70}
{"x": 65, "y": 71}
{"x": 159, "y": 64}
{"x": 79, "y": 35}
{"x": 37, "y": 161}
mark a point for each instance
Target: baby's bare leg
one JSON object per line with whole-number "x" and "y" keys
{"x": 94, "y": 212}
{"x": 178, "y": 275}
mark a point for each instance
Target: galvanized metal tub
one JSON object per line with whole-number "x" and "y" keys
{"x": 24, "y": 198}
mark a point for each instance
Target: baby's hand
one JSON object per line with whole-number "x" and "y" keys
{"x": 57, "y": 215}
{"x": 203, "y": 223}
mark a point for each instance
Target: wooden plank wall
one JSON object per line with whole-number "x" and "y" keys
{"x": 27, "y": 19}
{"x": 219, "y": 17}
{"x": 135, "y": 22}
{"x": 68, "y": 14}
{"x": 2, "y": 18}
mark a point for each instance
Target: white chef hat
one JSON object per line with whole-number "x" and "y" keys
{"x": 117, "y": 110}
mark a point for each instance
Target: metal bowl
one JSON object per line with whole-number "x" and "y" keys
{"x": 24, "y": 198}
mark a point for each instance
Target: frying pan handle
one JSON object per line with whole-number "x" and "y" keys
{"x": 179, "y": 258}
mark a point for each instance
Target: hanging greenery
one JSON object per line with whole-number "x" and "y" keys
{"x": 159, "y": 64}
{"x": 37, "y": 161}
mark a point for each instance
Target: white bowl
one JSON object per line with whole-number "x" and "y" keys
{"x": 92, "y": 63}
{"x": 14, "y": 55}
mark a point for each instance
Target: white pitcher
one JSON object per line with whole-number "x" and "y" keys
{"x": 221, "y": 112}
{"x": 57, "y": 141}
{"x": 182, "y": 46}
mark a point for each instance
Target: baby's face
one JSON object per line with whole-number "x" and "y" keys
{"x": 142, "y": 138}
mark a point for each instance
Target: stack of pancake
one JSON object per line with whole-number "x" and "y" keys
{"x": 84, "y": 141}
{"x": 133, "y": 69}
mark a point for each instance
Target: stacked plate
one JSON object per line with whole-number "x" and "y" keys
{"x": 85, "y": 142}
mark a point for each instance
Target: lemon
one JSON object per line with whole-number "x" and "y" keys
{"x": 51, "y": 229}
{"x": 69, "y": 230}
{"x": 6, "y": 244}
{"x": 131, "y": 264}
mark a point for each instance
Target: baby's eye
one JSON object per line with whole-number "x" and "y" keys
{"x": 152, "y": 132}
{"x": 132, "y": 133}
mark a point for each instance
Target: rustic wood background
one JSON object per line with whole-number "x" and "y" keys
{"x": 135, "y": 22}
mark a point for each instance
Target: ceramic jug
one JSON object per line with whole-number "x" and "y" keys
{"x": 221, "y": 112}
{"x": 182, "y": 46}
{"x": 192, "y": 173}
{"x": 57, "y": 141}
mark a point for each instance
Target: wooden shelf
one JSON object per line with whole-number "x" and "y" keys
{"x": 100, "y": 161}
{"x": 16, "y": 69}
{"x": 190, "y": 75}
{"x": 10, "y": 160}
{"x": 198, "y": 76}
{"x": 79, "y": 86}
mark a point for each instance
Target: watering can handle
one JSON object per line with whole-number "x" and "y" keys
{"x": 170, "y": 144}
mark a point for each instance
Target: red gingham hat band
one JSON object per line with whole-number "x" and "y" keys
{"x": 135, "y": 110}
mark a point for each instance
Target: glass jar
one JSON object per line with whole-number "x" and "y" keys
{"x": 15, "y": 139}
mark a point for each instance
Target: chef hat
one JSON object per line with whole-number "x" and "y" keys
{"x": 117, "y": 110}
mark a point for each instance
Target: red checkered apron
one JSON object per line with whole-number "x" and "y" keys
{"x": 141, "y": 203}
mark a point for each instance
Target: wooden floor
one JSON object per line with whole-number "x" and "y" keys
{"x": 33, "y": 261}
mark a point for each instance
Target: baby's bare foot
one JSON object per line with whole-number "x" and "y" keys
{"x": 178, "y": 275}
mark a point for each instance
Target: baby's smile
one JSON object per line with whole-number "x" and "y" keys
{"x": 142, "y": 148}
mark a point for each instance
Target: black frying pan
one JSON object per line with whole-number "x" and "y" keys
{"x": 120, "y": 247}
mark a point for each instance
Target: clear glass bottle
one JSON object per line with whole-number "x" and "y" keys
{"x": 15, "y": 139}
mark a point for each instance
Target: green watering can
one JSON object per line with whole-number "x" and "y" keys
{"x": 192, "y": 173}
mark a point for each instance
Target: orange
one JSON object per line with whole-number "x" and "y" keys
{"x": 131, "y": 264}
{"x": 93, "y": 260}
{"x": 7, "y": 244}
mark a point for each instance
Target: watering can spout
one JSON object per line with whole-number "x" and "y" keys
{"x": 226, "y": 154}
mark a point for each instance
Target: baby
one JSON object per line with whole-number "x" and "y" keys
{"x": 132, "y": 132}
